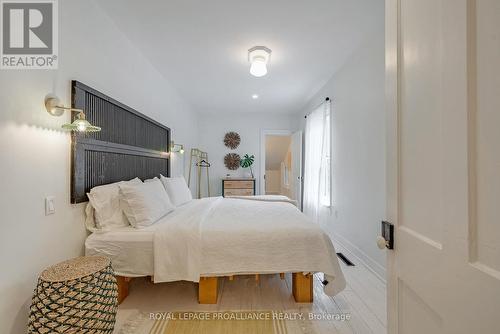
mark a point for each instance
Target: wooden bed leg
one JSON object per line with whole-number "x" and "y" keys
{"x": 123, "y": 285}
{"x": 282, "y": 275}
{"x": 302, "y": 287}
{"x": 257, "y": 277}
{"x": 207, "y": 290}
{"x": 231, "y": 277}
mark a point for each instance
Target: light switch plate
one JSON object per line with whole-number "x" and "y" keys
{"x": 50, "y": 207}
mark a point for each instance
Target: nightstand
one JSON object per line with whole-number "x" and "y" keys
{"x": 238, "y": 187}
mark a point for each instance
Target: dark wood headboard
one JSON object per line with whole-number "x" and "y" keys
{"x": 129, "y": 145}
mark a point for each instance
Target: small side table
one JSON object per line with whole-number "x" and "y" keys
{"x": 75, "y": 296}
{"x": 238, "y": 187}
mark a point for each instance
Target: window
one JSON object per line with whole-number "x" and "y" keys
{"x": 325, "y": 181}
{"x": 317, "y": 171}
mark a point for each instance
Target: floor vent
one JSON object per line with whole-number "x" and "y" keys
{"x": 345, "y": 259}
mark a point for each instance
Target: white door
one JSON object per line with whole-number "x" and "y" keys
{"x": 443, "y": 102}
{"x": 296, "y": 177}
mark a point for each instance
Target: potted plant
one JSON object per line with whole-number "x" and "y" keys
{"x": 247, "y": 162}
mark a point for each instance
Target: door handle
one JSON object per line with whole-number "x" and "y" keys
{"x": 386, "y": 239}
{"x": 381, "y": 242}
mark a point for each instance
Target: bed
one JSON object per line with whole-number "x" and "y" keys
{"x": 200, "y": 240}
{"x": 209, "y": 238}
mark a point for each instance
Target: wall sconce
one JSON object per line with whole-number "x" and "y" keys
{"x": 176, "y": 147}
{"x": 80, "y": 124}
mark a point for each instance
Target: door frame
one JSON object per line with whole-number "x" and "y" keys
{"x": 263, "y": 134}
{"x": 392, "y": 90}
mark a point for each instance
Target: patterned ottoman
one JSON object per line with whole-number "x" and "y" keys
{"x": 75, "y": 296}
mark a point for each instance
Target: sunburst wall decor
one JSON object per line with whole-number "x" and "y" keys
{"x": 232, "y": 161}
{"x": 232, "y": 140}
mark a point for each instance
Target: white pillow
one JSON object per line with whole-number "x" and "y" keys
{"x": 146, "y": 202}
{"x": 90, "y": 218}
{"x": 177, "y": 189}
{"x": 106, "y": 202}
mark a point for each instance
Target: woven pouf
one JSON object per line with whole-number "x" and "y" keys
{"x": 76, "y": 296}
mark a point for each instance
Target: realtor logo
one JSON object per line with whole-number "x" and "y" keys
{"x": 29, "y": 34}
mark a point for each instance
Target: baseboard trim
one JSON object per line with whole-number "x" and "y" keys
{"x": 360, "y": 256}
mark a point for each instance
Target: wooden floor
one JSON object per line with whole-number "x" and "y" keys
{"x": 363, "y": 300}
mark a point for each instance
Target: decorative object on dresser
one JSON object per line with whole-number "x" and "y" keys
{"x": 247, "y": 162}
{"x": 232, "y": 140}
{"x": 232, "y": 161}
{"x": 75, "y": 296}
{"x": 238, "y": 187}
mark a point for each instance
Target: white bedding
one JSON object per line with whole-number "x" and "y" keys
{"x": 266, "y": 198}
{"x": 130, "y": 249}
{"x": 236, "y": 236}
{"x": 217, "y": 237}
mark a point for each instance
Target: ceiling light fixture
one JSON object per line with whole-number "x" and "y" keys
{"x": 80, "y": 124}
{"x": 259, "y": 57}
{"x": 255, "y": 96}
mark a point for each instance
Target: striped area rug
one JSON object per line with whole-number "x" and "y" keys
{"x": 220, "y": 323}
{"x": 226, "y": 322}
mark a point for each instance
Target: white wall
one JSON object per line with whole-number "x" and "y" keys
{"x": 273, "y": 182}
{"x": 357, "y": 93}
{"x": 249, "y": 125}
{"x": 35, "y": 154}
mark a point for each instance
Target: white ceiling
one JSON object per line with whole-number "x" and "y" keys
{"x": 201, "y": 46}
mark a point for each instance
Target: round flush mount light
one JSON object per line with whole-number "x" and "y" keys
{"x": 255, "y": 96}
{"x": 259, "y": 57}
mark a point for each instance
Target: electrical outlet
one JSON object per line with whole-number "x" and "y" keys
{"x": 50, "y": 207}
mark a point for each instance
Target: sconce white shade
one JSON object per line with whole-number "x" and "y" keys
{"x": 259, "y": 57}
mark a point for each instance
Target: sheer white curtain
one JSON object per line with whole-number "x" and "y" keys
{"x": 317, "y": 181}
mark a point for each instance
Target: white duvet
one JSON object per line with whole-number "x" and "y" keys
{"x": 219, "y": 236}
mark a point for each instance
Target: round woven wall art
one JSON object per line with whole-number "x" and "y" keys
{"x": 232, "y": 140}
{"x": 232, "y": 161}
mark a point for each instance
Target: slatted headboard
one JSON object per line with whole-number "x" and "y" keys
{"x": 129, "y": 145}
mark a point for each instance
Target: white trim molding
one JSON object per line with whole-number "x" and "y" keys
{"x": 359, "y": 256}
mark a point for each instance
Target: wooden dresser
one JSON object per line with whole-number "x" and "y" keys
{"x": 238, "y": 187}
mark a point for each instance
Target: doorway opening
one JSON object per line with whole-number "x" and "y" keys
{"x": 281, "y": 167}
{"x": 278, "y": 165}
